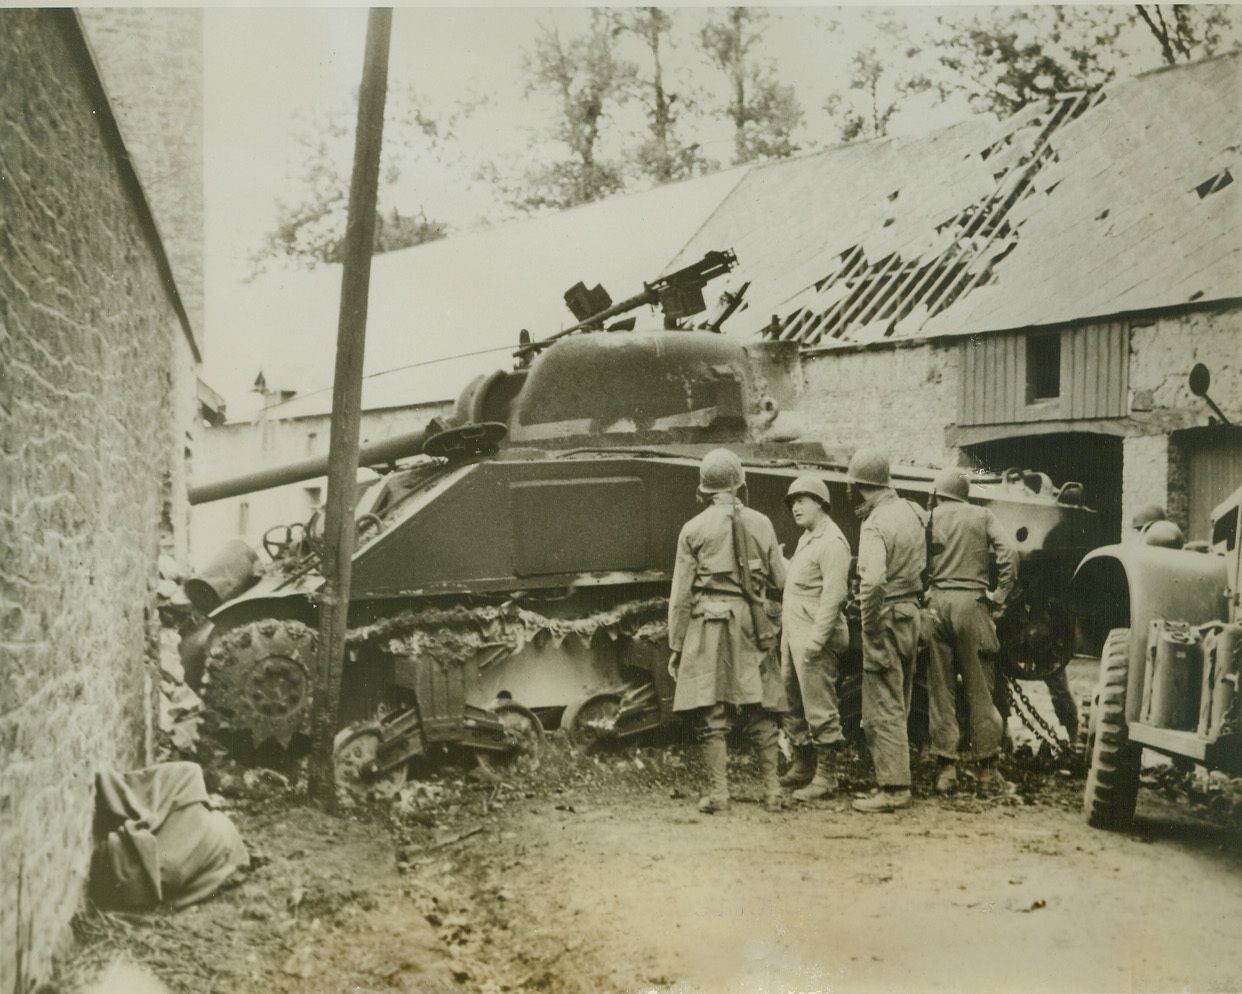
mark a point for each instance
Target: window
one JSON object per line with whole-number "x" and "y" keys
{"x": 1043, "y": 368}
{"x": 243, "y": 518}
{"x": 311, "y": 438}
{"x": 314, "y": 498}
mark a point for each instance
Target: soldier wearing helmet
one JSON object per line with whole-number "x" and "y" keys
{"x": 892, "y": 555}
{"x": 965, "y": 539}
{"x": 813, "y": 636}
{"x": 723, "y": 675}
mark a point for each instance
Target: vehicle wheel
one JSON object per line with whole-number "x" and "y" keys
{"x": 353, "y": 749}
{"x": 259, "y": 679}
{"x": 523, "y": 728}
{"x": 1113, "y": 777}
{"x": 590, "y": 723}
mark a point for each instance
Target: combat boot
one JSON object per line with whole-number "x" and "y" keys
{"x": 825, "y": 783}
{"x": 991, "y": 782}
{"x": 715, "y": 755}
{"x": 884, "y": 800}
{"x": 763, "y": 739}
{"x": 946, "y": 777}
{"x": 802, "y": 768}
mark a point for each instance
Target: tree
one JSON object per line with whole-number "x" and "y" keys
{"x": 884, "y": 70}
{"x": 1190, "y": 31}
{"x": 764, "y": 112}
{"x": 661, "y": 155}
{"x": 1008, "y": 57}
{"x": 588, "y": 80}
{"x": 310, "y": 224}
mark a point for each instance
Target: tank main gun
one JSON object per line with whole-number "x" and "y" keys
{"x": 679, "y": 294}
{"x": 436, "y": 440}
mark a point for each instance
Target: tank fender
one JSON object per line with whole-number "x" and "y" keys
{"x": 1131, "y": 584}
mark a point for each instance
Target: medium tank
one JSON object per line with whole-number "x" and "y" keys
{"x": 521, "y": 550}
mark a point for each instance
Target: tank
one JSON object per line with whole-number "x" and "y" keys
{"x": 521, "y": 551}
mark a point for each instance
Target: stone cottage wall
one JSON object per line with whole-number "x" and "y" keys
{"x": 94, "y": 370}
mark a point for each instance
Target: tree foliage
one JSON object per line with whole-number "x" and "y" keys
{"x": 763, "y": 111}
{"x": 1005, "y": 58}
{"x": 310, "y": 221}
{"x": 588, "y": 80}
{"x": 884, "y": 71}
{"x": 662, "y": 155}
{"x": 1188, "y": 31}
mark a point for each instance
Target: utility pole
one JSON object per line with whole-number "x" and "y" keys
{"x": 338, "y": 539}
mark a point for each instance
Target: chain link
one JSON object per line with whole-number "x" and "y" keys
{"x": 1033, "y": 720}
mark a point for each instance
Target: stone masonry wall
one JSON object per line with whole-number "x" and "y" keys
{"x": 1162, "y": 353}
{"x": 897, "y": 399}
{"x": 92, "y": 358}
{"x": 134, "y": 46}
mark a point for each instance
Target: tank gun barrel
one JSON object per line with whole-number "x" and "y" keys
{"x": 667, "y": 290}
{"x": 375, "y": 454}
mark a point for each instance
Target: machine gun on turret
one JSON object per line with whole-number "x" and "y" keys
{"x": 679, "y": 294}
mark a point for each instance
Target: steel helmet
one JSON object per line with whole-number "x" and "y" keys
{"x": 952, "y": 483}
{"x": 1165, "y": 534}
{"x": 1146, "y": 514}
{"x": 809, "y": 486}
{"x": 869, "y": 466}
{"x": 720, "y": 472}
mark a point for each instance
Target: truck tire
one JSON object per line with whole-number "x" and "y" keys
{"x": 1113, "y": 777}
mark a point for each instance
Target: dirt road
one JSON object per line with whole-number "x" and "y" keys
{"x": 946, "y": 896}
{"x": 597, "y": 874}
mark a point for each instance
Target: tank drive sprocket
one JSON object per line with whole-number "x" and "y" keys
{"x": 260, "y": 679}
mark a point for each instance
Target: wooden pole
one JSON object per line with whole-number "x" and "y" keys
{"x": 338, "y": 539}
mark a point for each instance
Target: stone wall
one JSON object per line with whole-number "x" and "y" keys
{"x": 138, "y": 50}
{"x": 903, "y": 398}
{"x": 95, "y": 363}
{"x": 896, "y": 398}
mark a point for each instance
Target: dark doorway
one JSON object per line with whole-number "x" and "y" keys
{"x": 1092, "y": 460}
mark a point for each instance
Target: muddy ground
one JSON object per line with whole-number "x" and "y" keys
{"x": 597, "y": 874}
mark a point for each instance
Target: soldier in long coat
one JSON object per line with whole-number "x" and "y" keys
{"x": 723, "y": 674}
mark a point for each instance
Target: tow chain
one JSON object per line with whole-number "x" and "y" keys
{"x": 1033, "y": 720}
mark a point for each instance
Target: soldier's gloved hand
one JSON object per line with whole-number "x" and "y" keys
{"x": 997, "y": 609}
{"x": 674, "y": 664}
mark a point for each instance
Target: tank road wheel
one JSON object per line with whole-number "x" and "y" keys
{"x": 353, "y": 749}
{"x": 524, "y": 732}
{"x": 260, "y": 680}
{"x": 590, "y": 723}
{"x": 1113, "y": 779}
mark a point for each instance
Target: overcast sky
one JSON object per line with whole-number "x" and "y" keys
{"x": 272, "y": 72}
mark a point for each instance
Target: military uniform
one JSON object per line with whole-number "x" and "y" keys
{"x": 723, "y": 674}
{"x": 814, "y": 634}
{"x": 963, "y": 634}
{"x": 709, "y": 619}
{"x": 892, "y": 554}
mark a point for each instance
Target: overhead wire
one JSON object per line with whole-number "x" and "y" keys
{"x": 394, "y": 369}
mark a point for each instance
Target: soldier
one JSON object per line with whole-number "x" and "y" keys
{"x": 892, "y": 556}
{"x": 813, "y": 636}
{"x": 723, "y": 674}
{"x": 963, "y": 638}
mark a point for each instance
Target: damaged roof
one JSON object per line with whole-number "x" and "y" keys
{"x": 1081, "y": 206}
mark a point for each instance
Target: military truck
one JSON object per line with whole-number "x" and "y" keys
{"x": 1166, "y": 621}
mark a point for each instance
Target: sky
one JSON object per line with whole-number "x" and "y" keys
{"x": 271, "y": 73}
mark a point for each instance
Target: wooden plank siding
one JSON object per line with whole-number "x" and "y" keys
{"x": 1094, "y": 378}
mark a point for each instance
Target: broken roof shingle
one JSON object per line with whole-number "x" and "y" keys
{"x": 1080, "y": 207}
